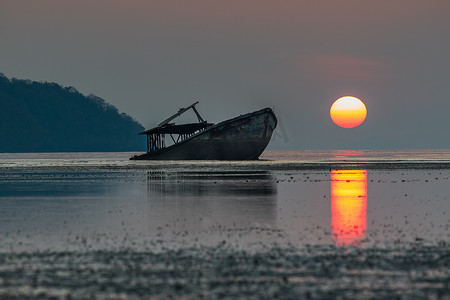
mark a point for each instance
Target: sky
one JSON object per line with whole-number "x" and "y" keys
{"x": 150, "y": 58}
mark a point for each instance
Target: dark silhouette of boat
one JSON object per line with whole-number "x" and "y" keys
{"x": 241, "y": 138}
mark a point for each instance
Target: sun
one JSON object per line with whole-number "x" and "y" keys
{"x": 348, "y": 112}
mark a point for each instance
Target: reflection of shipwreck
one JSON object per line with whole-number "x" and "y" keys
{"x": 196, "y": 201}
{"x": 241, "y": 138}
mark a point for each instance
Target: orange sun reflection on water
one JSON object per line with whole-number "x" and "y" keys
{"x": 348, "y": 206}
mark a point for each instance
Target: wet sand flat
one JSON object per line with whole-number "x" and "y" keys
{"x": 106, "y": 228}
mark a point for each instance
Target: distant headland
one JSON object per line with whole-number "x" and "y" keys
{"x": 47, "y": 117}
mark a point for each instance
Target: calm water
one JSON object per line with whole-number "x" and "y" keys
{"x": 317, "y": 224}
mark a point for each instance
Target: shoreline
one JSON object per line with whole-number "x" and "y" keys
{"x": 225, "y": 166}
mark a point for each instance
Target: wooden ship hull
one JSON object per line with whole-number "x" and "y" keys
{"x": 240, "y": 138}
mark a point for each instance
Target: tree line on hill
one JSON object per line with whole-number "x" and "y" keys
{"x": 47, "y": 117}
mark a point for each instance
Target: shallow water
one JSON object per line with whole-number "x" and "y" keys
{"x": 297, "y": 224}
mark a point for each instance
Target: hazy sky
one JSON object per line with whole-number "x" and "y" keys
{"x": 150, "y": 58}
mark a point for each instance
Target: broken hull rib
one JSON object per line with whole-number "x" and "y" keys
{"x": 241, "y": 138}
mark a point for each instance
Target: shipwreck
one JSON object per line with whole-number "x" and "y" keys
{"x": 241, "y": 138}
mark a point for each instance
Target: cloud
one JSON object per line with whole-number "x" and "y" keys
{"x": 343, "y": 67}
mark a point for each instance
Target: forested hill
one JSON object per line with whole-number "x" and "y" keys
{"x": 46, "y": 117}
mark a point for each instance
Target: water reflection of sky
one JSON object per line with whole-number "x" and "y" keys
{"x": 114, "y": 208}
{"x": 363, "y": 208}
